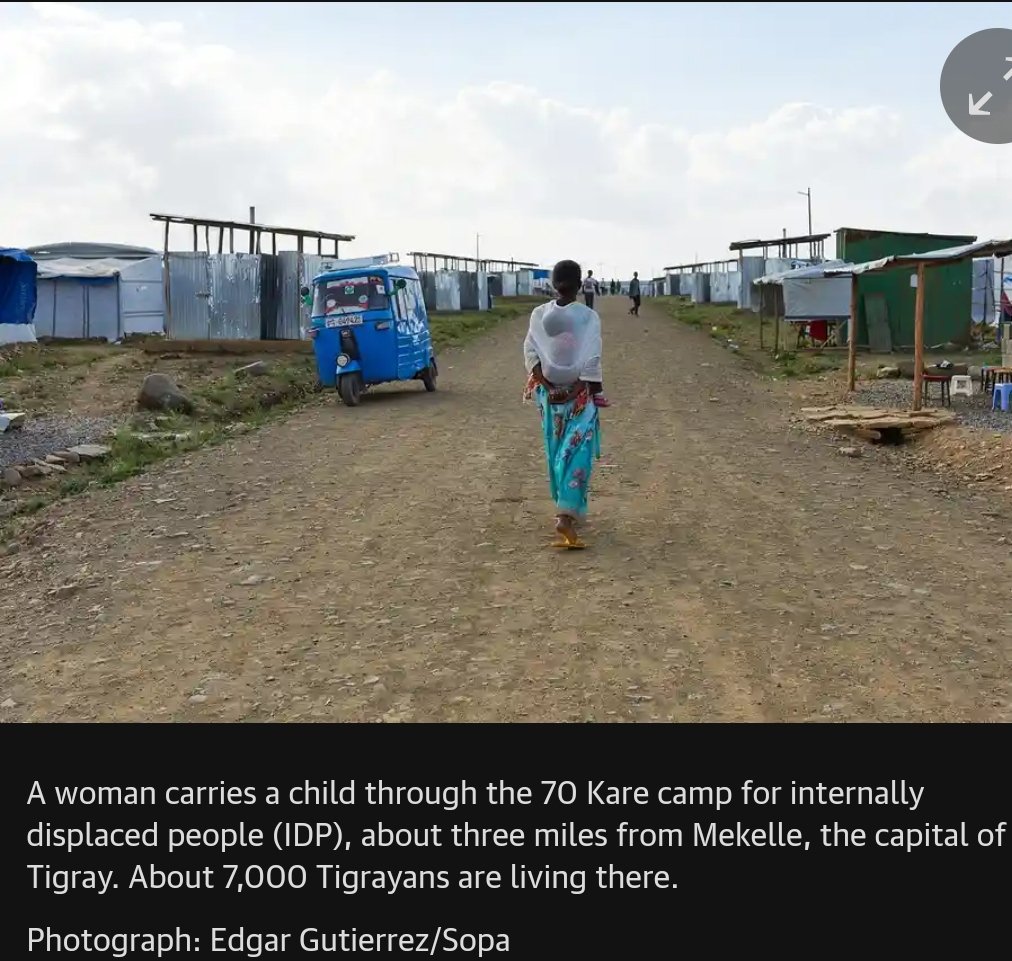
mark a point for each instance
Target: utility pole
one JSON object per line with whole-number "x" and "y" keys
{"x": 477, "y": 251}
{"x": 808, "y": 193}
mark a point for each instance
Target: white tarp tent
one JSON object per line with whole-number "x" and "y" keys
{"x": 810, "y": 295}
{"x": 816, "y": 298}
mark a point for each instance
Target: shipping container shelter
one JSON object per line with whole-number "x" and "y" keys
{"x": 886, "y": 300}
{"x": 219, "y": 293}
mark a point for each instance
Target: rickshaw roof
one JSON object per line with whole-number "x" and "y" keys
{"x": 390, "y": 270}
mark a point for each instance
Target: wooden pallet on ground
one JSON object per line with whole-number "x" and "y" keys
{"x": 874, "y": 423}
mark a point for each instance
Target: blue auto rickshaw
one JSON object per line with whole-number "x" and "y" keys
{"x": 369, "y": 326}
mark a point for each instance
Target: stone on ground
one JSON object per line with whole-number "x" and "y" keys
{"x": 258, "y": 369}
{"x": 11, "y": 420}
{"x": 159, "y": 392}
{"x": 88, "y": 452}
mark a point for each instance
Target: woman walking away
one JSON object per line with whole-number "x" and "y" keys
{"x": 562, "y": 355}
{"x": 634, "y": 294}
{"x": 589, "y": 289}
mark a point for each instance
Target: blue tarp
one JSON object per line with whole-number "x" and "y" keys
{"x": 18, "y": 290}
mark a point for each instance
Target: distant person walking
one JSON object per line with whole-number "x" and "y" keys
{"x": 590, "y": 288}
{"x": 634, "y": 294}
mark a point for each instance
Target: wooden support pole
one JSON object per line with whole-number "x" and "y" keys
{"x": 207, "y": 238}
{"x": 335, "y": 248}
{"x": 919, "y": 339}
{"x": 194, "y": 238}
{"x": 762, "y": 299}
{"x": 852, "y": 337}
{"x": 221, "y": 238}
{"x": 231, "y": 240}
{"x": 274, "y": 244}
{"x": 319, "y": 246}
{"x": 300, "y": 244}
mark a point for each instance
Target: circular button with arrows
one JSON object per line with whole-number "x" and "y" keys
{"x": 976, "y": 86}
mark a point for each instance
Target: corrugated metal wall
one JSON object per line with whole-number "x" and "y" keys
{"x": 948, "y": 290}
{"x": 77, "y": 309}
{"x": 142, "y": 297}
{"x": 447, "y": 290}
{"x": 983, "y": 290}
{"x": 235, "y": 297}
{"x": 189, "y": 297}
{"x": 700, "y": 288}
{"x": 750, "y": 269}
{"x": 239, "y": 296}
{"x": 473, "y": 291}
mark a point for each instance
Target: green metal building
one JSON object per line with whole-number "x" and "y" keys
{"x": 886, "y": 301}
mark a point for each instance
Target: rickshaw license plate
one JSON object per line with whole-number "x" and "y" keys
{"x": 349, "y": 320}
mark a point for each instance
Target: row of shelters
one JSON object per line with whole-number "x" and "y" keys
{"x": 233, "y": 284}
{"x": 812, "y": 291}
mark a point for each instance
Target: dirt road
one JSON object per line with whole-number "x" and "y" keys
{"x": 392, "y": 563}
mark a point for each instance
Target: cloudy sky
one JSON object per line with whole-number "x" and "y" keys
{"x": 629, "y": 136}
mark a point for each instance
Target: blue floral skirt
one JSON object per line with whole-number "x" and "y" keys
{"x": 572, "y": 438}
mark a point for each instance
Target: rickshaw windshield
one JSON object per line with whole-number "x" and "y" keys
{"x": 349, "y": 295}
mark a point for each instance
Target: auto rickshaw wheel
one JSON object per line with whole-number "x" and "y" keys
{"x": 349, "y": 386}
{"x": 429, "y": 377}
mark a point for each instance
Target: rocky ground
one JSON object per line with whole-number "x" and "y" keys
{"x": 974, "y": 412}
{"x": 42, "y": 435}
{"x": 391, "y": 563}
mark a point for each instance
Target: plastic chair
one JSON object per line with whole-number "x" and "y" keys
{"x": 961, "y": 385}
{"x": 1000, "y": 397}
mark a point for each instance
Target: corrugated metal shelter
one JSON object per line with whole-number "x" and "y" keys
{"x": 925, "y": 263}
{"x": 91, "y": 297}
{"x": 890, "y": 296}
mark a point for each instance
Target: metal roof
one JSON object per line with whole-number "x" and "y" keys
{"x": 947, "y": 255}
{"x": 799, "y": 273}
{"x": 66, "y": 267}
{"x": 89, "y": 251}
{"x": 704, "y": 263}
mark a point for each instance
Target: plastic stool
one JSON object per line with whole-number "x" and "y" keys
{"x": 961, "y": 384}
{"x": 1000, "y": 397}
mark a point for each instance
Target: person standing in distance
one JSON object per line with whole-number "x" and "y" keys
{"x": 589, "y": 289}
{"x": 634, "y": 294}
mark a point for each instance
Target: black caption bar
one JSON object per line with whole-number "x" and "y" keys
{"x": 582, "y": 841}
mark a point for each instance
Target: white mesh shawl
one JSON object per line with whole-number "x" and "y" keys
{"x": 566, "y": 341}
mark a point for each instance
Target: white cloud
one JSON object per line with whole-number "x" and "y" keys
{"x": 114, "y": 118}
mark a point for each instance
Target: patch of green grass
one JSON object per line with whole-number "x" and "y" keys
{"x": 73, "y": 484}
{"x": 456, "y": 329}
{"x": 25, "y": 359}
